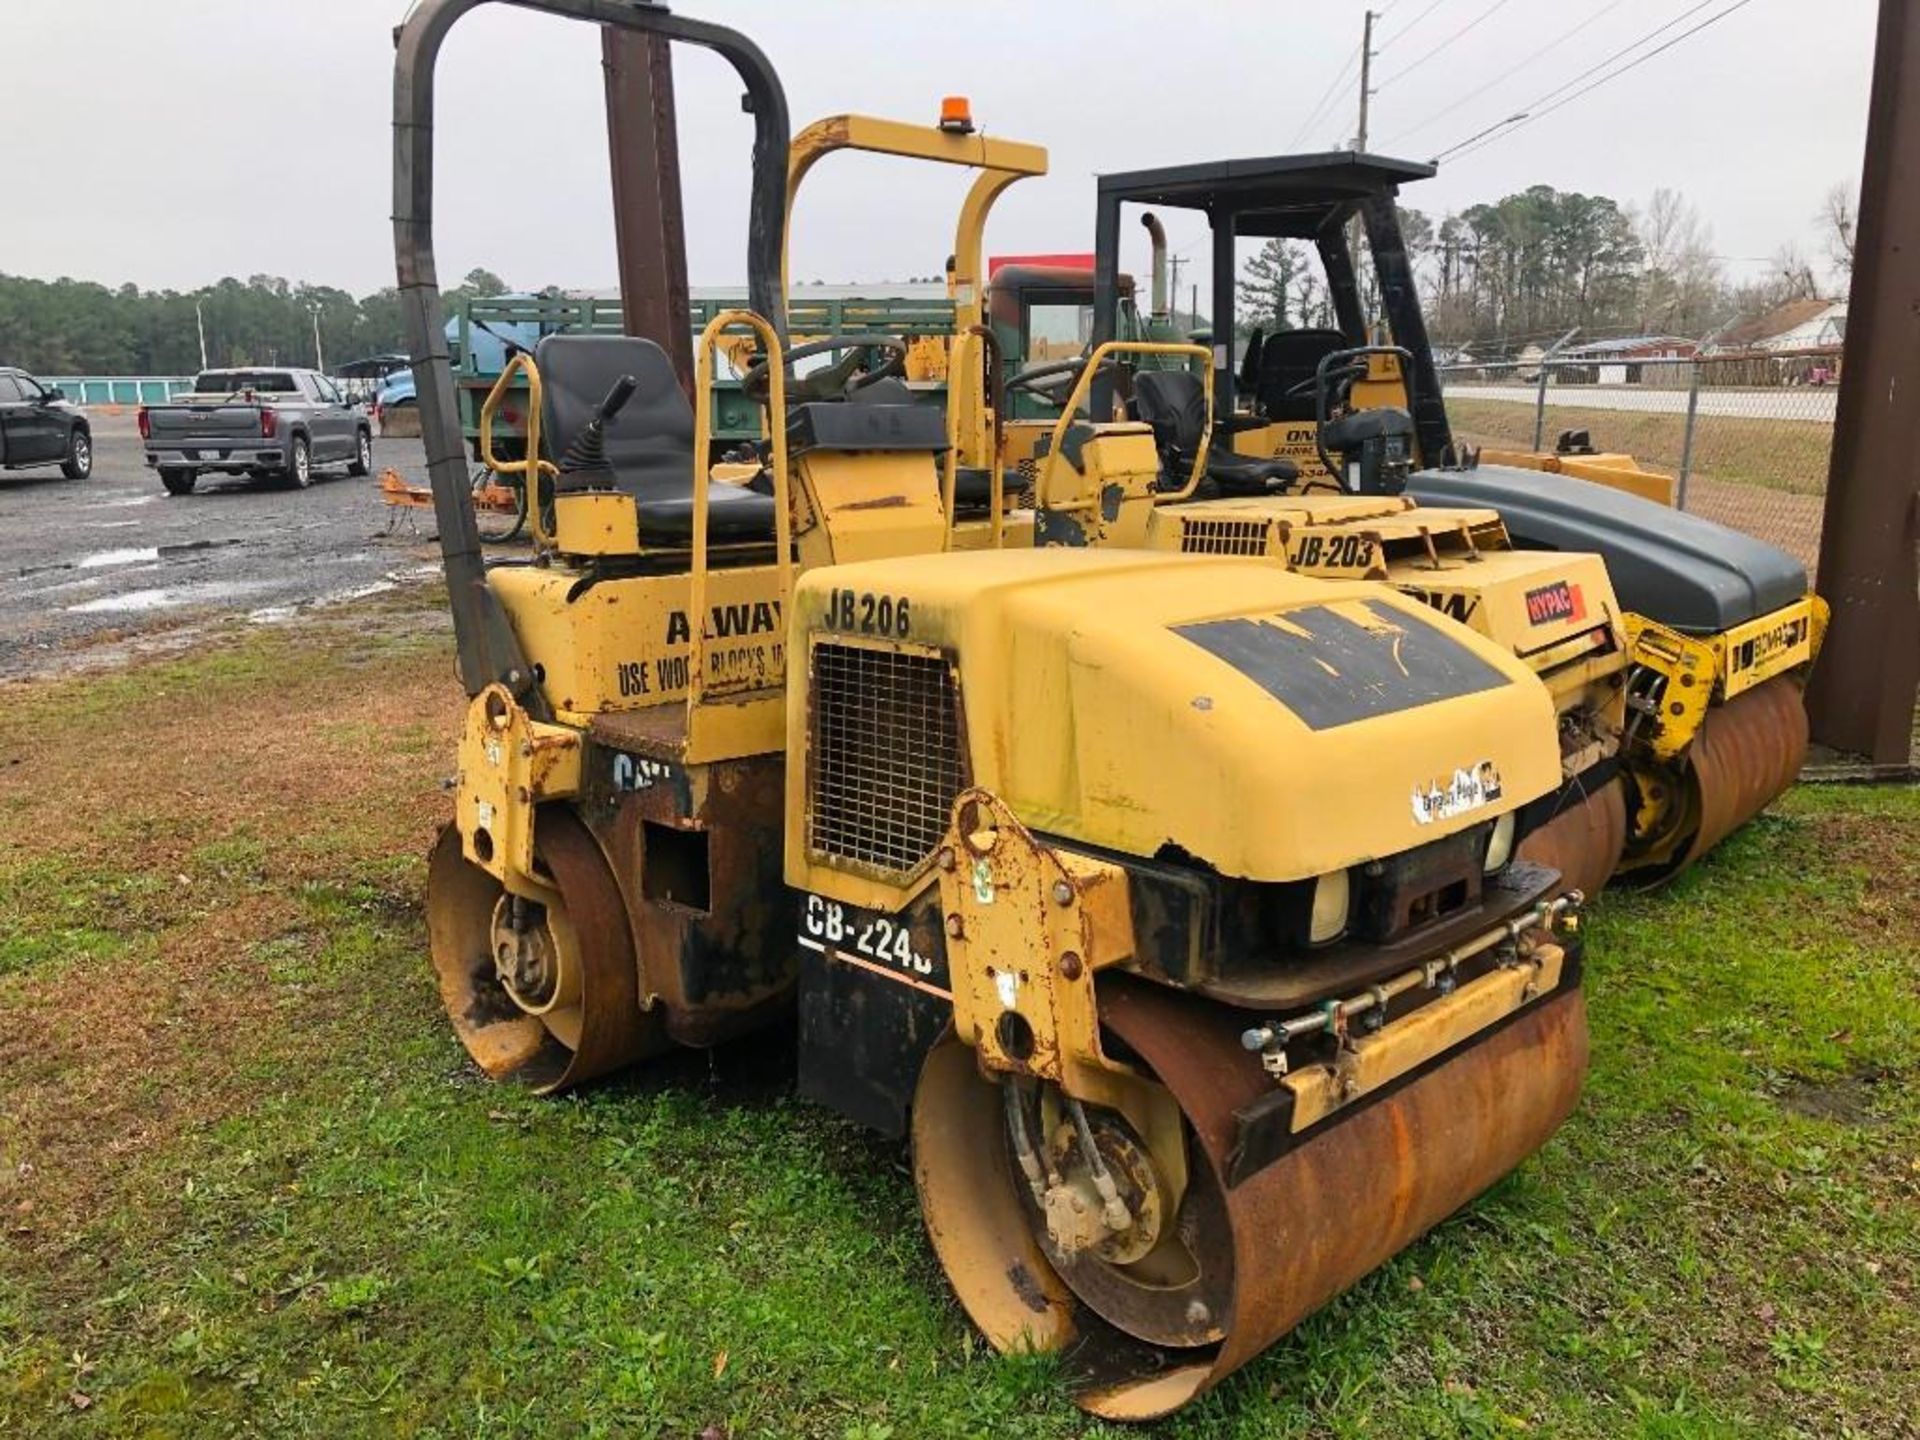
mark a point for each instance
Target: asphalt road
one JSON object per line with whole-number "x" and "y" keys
{"x": 1783, "y": 403}
{"x": 116, "y": 557}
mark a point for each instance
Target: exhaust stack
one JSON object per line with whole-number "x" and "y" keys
{"x": 1159, "y": 234}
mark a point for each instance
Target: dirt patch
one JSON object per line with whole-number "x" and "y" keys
{"x": 1886, "y": 854}
{"x": 1850, "y": 1100}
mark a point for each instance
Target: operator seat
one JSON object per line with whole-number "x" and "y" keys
{"x": 972, "y": 484}
{"x": 1289, "y": 358}
{"x": 1174, "y": 403}
{"x": 648, "y": 444}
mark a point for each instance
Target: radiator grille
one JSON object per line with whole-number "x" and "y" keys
{"x": 886, "y": 762}
{"x": 1223, "y": 537}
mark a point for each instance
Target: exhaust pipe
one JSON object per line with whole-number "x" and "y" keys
{"x": 1159, "y": 234}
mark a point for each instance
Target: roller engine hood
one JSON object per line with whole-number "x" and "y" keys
{"x": 1270, "y": 725}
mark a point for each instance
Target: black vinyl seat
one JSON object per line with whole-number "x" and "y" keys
{"x": 972, "y": 484}
{"x": 648, "y": 444}
{"x": 1174, "y": 403}
{"x": 889, "y": 415}
{"x": 1289, "y": 359}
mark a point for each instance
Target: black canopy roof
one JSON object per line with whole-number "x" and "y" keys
{"x": 1292, "y": 196}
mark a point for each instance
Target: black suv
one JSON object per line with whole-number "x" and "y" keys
{"x": 39, "y": 427}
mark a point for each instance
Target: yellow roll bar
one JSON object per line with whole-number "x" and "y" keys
{"x": 1000, "y": 162}
{"x": 962, "y": 362}
{"x": 702, "y": 479}
{"x": 532, "y": 467}
{"x": 1070, "y": 412}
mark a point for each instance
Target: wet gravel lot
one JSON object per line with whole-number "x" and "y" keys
{"x": 114, "y": 557}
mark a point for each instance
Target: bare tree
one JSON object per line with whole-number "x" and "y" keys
{"x": 1680, "y": 280}
{"x": 1839, "y": 216}
{"x": 1793, "y": 277}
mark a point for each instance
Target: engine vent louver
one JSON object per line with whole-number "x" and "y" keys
{"x": 1223, "y": 537}
{"x": 885, "y": 759}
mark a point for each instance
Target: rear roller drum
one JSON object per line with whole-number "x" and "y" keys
{"x": 1748, "y": 753}
{"x": 542, "y": 992}
{"x": 1584, "y": 841}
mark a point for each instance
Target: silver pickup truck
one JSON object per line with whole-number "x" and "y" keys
{"x": 262, "y": 422}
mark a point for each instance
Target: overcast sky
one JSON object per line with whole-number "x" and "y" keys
{"x": 173, "y": 143}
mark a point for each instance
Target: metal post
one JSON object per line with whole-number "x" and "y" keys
{"x": 1686, "y": 440}
{"x": 1540, "y": 409}
{"x": 1224, "y": 319}
{"x": 649, "y": 227}
{"x": 1862, "y": 695}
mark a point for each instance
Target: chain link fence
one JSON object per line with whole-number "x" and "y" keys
{"x": 1746, "y": 437}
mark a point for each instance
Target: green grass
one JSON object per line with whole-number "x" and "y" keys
{"x": 249, "y": 1185}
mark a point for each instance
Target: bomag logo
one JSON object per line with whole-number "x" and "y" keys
{"x": 1787, "y": 635}
{"x": 757, "y": 617}
{"x": 1558, "y": 601}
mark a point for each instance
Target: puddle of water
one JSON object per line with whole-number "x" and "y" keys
{"x": 169, "y": 596}
{"x": 113, "y": 524}
{"x": 358, "y": 592}
{"x": 193, "y": 547}
{"x": 133, "y": 602}
{"x": 121, "y": 504}
{"x": 278, "y": 614}
{"x": 102, "y": 558}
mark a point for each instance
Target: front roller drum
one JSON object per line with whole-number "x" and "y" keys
{"x": 1283, "y": 1242}
{"x": 542, "y": 994}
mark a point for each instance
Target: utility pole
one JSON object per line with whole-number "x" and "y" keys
{"x": 1862, "y": 694}
{"x": 1173, "y": 281}
{"x": 200, "y": 324}
{"x": 1354, "y": 246}
{"x": 319, "y": 360}
{"x": 649, "y": 227}
{"x": 1366, "y": 79}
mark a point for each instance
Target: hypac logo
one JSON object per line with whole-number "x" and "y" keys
{"x": 1558, "y": 601}
{"x": 1467, "y": 790}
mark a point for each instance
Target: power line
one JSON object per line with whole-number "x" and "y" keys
{"x": 1544, "y": 50}
{"x": 1411, "y": 23}
{"x": 1321, "y": 104}
{"x": 1531, "y": 113}
{"x": 1462, "y": 32}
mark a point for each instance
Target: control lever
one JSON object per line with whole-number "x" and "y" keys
{"x": 587, "y": 449}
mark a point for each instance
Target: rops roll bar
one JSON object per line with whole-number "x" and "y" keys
{"x": 488, "y": 650}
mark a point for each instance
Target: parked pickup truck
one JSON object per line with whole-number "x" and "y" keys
{"x": 263, "y": 423}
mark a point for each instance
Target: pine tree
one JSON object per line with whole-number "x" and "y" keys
{"x": 1266, "y": 287}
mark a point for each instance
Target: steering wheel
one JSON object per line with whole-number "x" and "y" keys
{"x": 836, "y": 381}
{"x": 1054, "y": 380}
{"x": 1332, "y": 384}
{"x": 1337, "y": 381}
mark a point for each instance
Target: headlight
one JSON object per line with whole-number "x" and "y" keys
{"x": 1332, "y": 895}
{"x": 1500, "y": 847}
